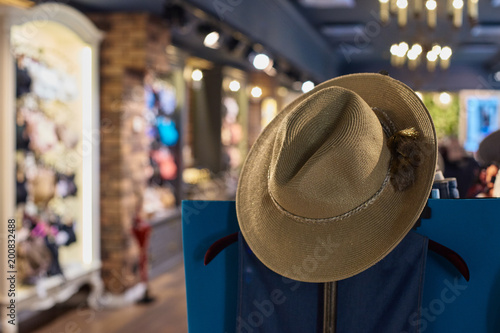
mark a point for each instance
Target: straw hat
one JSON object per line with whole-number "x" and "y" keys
{"x": 338, "y": 178}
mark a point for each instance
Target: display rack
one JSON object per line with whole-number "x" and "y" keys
{"x": 56, "y": 32}
{"x": 165, "y": 249}
{"x": 234, "y": 130}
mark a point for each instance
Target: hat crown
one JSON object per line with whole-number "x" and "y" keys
{"x": 344, "y": 171}
{"x": 329, "y": 155}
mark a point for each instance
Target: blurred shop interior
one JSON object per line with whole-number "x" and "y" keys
{"x": 114, "y": 111}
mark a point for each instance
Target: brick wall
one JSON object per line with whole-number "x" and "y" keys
{"x": 134, "y": 44}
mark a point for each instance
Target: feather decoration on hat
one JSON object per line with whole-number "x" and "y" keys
{"x": 406, "y": 157}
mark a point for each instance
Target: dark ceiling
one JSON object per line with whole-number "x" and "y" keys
{"x": 350, "y": 38}
{"x": 358, "y": 29}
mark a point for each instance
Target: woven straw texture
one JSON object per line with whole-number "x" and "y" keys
{"x": 314, "y": 200}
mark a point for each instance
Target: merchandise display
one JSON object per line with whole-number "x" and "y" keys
{"x": 49, "y": 127}
{"x": 269, "y": 111}
{"x": 234, "y": 129}
{"x": 162, "y": 130}
{"x": 231, "y": 133}
{"x": 45, "y": 133}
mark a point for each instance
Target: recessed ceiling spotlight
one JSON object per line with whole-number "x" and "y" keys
{"x": 445, "y": 53}
{"x": 256, "y": 92}
{"x": 197, "y": 75}
{"x": 212, "y": 40}
{"x": 307, "y": 86}
{"x": 261, "y": 61}
{"x": 234, "y": 86}
{"x": 445, "y": 98}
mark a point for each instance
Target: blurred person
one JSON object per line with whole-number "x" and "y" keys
{"x": 485, "y": 184}
{"x": 479, "y": 186}
{"x": 491, "y": 174}
{"x": 457, "y": 164}
{"x": 488, "y": 154}
{"x": 496, "y": 188}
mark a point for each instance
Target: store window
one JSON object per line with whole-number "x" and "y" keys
{"x": 53, "y": 151}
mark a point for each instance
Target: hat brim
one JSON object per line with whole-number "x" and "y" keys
{"x": 331, "y": 251}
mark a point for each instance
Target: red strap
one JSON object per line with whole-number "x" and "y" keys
{"x": 454, "y": 258}
{"x": 451, "y": 256}
{"x": 218, "y": 246}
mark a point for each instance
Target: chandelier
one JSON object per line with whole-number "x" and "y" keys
{"x": 17, "y": 3}
{"x": 401, "y": 53}
{"x": 454, "y": 9}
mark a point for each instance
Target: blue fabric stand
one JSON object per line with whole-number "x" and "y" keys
{"x": 450, "y": 304}
{"x": 211, "y": 290}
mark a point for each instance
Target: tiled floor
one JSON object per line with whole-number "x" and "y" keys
{"x": 166, "y": 315}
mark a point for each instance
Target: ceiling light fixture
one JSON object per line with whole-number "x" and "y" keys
{"x": 307, "y": 86}
{"x": 445, "y": 56}
{"x": 212, "y": 40}
{"x": 402, "y": 4}
{"x": 416, "y": 48}
{"x": 384, "y": 11}
{"x": 436, "y": 49}
{"x": 197, "y": 75}
{"x": 472, "y": 10}
{"x": 458, "y": 6}
{"x": 417, "y": 8}
{"x": 394, "y": 54}
{"x": 393, "y": 7}
{"x": 261, "y": 61}
{"x": 434, "y": 55}
{"x": 431, "y": 6}
{"x": 454, "y": 8}
{"x": 402, "y": 12}
{"x": 445, "y": 98}
{"x": 402, "y": 49}
{"x": 413, "y": 60}
{"x": 398, "y": 54}
{"x": 234, "y": 86}
{"x": 256, "y": 92}
{"x": 17, "y": 3}
{"x": 445, "y": 53}
{"x": 394, "y": 49}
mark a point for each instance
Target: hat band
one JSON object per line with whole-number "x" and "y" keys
{"x": 386, "y": 122}
{"x": 340, "y": 217}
